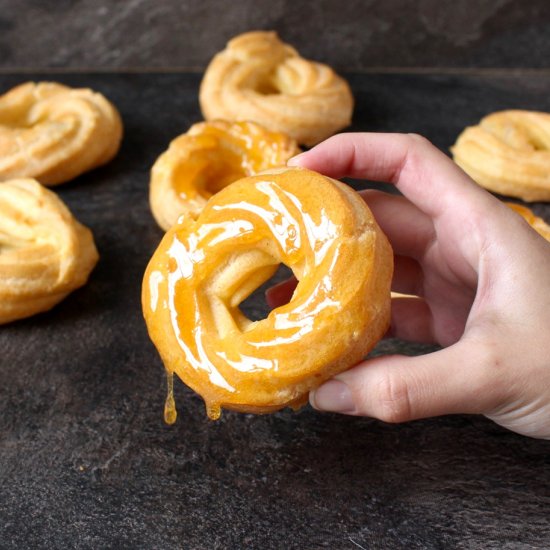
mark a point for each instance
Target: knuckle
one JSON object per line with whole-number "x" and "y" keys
{"x": 393, "y": 402}
{"x": 418, "y": 147}
{"x": 418, "y": 139}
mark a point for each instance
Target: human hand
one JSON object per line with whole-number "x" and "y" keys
{"x": 482, "y": 280}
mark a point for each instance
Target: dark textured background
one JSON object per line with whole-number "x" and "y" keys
{"x": 85, "y": 458}
{"x": 348, "y": 34}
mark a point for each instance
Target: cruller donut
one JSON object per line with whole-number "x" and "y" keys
{"x": 210, "y": 156}
{"x": 260, "y": 78}
{"x": 44, "y": 252}
{"x": 54, "y": 133}
{"x": 508, "y": 153}
{"x": 203, "y": 269}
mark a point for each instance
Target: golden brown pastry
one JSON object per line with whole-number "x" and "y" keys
{"x": 210, "y": 156}
{"x": 508, "y": 153}
{"x": 203, "y": 269}
{"x": 44, "y": 252}
{"x": 538, "y": 224}
{"x": 54, "y": 133}
{"x": 259, "y": 78}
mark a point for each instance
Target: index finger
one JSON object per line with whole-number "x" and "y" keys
{"x": 426, "y": 176}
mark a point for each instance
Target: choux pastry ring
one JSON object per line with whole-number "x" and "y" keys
{"x": 207, "y": 158}
{"x": 508, "y": 153}
{"x": 54, "y": 133}
{"x": 259, "y": 78}
{"x": 44, "y": 252}
{"x": 203, "y": 269}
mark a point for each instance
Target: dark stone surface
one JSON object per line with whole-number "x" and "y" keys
{"x": 350, "y": 35}
{"x": 87, "y": 462}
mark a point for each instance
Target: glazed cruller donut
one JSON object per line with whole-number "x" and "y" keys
{"x": 203, "y": 269}
{"x": 207, "y": 158}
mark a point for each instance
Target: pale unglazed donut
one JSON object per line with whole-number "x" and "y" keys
{"x": 44, "y": 252}
{"x": 54, "y": 133}
{"x": 203, "y": 269}
{"x": 260, "y": 78}
{"x": 207, "y": 158}
{"x": 508, "y": 153}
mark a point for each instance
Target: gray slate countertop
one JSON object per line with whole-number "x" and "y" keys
{"x": 86, "y": 460}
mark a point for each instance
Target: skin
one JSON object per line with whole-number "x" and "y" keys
{"x": 481, "y": 277}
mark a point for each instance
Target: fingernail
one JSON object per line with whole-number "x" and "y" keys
{"x": 333, "y": 396}
{"x": 295, "y": 161}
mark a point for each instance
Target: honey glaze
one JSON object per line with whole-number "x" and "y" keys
{"x": 221, "y": 153}
{"x": 320, "y": 229}
{"x": 213, "y": 411}
{"x": 206, "y": 159}
{"x": 170, "y": 412}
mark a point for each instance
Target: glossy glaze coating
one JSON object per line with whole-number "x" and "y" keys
{"x": 207, "y": 158}
{"x": 204, "y": 269}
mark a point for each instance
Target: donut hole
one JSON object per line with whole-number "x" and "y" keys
{"x": 520, "y": 137}
{"x": 237, "y": 289}
{"x": 16, "y": 117}
{"x": 210, "y": 171}
{"x": 210, "y": 182}
{"x": 255, "y": 306}
{"x": 266, "y": 86}
{"x": 537, "y": 143}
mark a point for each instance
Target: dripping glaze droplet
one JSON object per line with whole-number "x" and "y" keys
{"x": 213, "y": 410}
{"x": 170, "y": 412}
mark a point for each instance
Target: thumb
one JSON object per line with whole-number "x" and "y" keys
{"x": 398, "y": 388}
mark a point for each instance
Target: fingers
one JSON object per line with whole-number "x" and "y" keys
{"x": 281, "y": 293}
{"x": 359, "y": 155}
{"x": 412, "y": 320}
{"x": 398, "y": 388}
{"x": 426, "y": 176}
{"x": 408, "y": 277}
{"x": 408, "y": 229}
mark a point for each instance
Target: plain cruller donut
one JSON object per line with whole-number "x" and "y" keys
{"x": 54, "y": 133}
{"x": 207, "y": 158}
{"x": 508, "y": 153}
{"x": 203, "y": 269}
{"x": 260, "y": 78}
{"x": 45, "y": 253}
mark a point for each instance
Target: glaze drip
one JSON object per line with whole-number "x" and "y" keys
{"x": 170, "y": 412}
